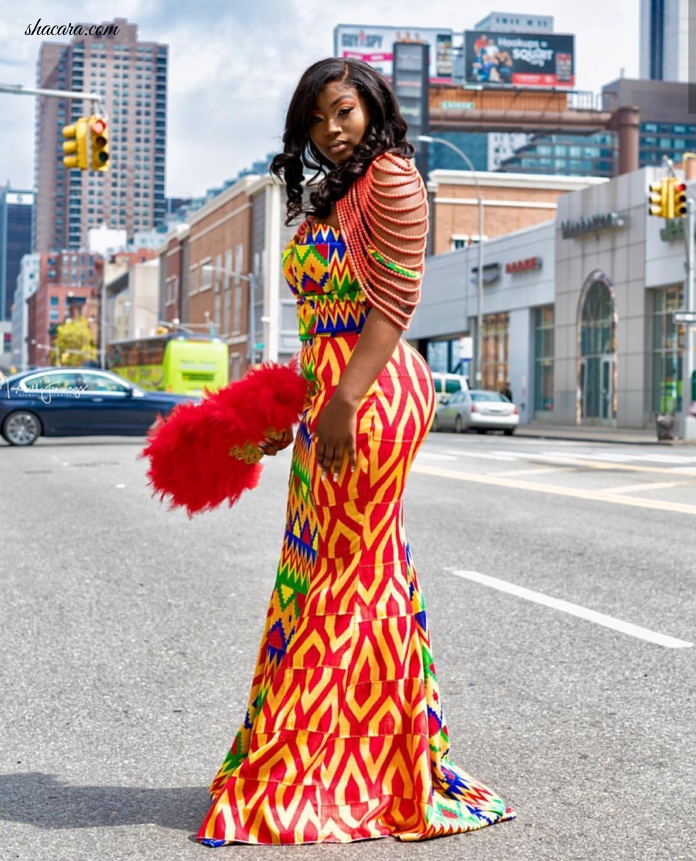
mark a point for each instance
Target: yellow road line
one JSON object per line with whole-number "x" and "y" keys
{"x": 651, "y": 485}
{"x": 537, "y": 487}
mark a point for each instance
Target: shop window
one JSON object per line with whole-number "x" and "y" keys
{"x": 543, "y": 358}
{"x": 495, "y": 351}
{"x": 464, "y": 240}
{"x": 668, "y": 352}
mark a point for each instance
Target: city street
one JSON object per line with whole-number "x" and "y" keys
{"x": 560, "y": 585}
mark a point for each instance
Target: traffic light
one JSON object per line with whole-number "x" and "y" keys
{"x": 75, "y": 145}
{"x": 678, "y": 194}
{"x": 657, "y": 199}
{"x": 99, "y": 141}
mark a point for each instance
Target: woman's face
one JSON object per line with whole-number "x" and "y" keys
{"x": 338, "y": 122}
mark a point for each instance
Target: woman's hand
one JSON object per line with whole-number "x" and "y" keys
{"x": 335, "y": 434}
{"x": 277, "y": 442}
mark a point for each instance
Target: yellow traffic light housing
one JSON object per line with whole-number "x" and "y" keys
{"x": 678, "y": 193}
{"x": 99, "y": 143}
{"x": 75, "y": 145}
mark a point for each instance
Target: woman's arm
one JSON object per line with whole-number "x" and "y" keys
{"x": 335, "y": 431}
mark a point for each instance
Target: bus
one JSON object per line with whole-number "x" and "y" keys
{"x": 177, "y": 362}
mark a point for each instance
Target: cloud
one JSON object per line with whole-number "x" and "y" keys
{"x": 233, "y": 66}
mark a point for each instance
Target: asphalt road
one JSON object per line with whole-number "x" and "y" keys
{"x": 128, "y": 636}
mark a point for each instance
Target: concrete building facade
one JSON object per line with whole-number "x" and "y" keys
{"x": 577, "y": 312}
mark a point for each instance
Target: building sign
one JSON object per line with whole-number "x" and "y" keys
{"x": 491, "y": 273}
{"x": 673, "y": 230}
{"x": 523, "y": 59}
{"x": 530, "y": 264}
{"x": 457, "y": 106}
{"x": 18, "y": 197}
{"x": 375, "y": 45}
{"x": 592, "y": 224}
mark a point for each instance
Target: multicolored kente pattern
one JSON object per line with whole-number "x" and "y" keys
{"x": 344, "y": 738}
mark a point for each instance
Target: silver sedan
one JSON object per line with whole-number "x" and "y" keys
{"x": 477, "y": 409}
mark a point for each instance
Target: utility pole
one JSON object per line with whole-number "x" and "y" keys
{"x": 689, "y": 422}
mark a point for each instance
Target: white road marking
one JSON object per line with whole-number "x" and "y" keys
{"x": 433, "y": 456}
{"x": 600, "y": 464}
{"x": 575, "y": 610}
{"x": 602, "y": 456}
{"x": 541, "y": 470}
{"x": 495, "y": 455}
{"x": 559, "y": 490}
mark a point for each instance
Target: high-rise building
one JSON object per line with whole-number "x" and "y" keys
{"x": 664, "y": 39}
{"x": 16, "y": 208}
{"x": 131, "y": 78}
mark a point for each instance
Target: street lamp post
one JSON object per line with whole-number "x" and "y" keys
{"x": 251, "y": 279}
{"x": 478, "y": 352}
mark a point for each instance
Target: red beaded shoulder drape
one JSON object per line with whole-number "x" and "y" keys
{"x": 373, "y": 217}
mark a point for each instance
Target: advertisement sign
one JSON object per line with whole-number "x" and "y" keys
{"x": 519, "y": 58}
{"x": 375, "y": 45}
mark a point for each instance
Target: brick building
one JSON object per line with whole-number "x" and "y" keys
{"x": 68, "y": 287}
{"x": 510, "y": 202}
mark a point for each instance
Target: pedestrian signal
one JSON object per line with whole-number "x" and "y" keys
{"x": 99, "y": 141}
{"x": 679, "y": 206}
{"x": 75, "y": 145}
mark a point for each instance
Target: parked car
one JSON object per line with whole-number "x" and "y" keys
{"x": 448, "y": 384}
{"x": 77, "y": 402}
{"x": 477, "y": 409}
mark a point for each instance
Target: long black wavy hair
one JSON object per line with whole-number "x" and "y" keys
{"x": 386, "y": 132}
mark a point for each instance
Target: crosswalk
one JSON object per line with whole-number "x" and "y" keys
{"x": 682, "y": 462}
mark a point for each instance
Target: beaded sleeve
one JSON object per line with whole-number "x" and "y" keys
{"x": 372, "y": 217}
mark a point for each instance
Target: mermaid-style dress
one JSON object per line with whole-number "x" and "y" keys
{"x": 344, "y": 738}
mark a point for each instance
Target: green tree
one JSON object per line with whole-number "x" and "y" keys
{"x": 74, "y": 343}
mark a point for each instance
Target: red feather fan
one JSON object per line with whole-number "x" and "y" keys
{"x": 203, "y": 454}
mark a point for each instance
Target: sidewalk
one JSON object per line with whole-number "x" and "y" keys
{"x": 630, "y": 436}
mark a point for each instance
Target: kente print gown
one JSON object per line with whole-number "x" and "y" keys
{"x": 344, "y": 738}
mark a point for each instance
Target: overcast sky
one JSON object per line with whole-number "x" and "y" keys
{"x": 234, "y": 63}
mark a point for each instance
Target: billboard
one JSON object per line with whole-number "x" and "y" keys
{"x": 375, "y": 45}
{"x": 522, "y": 59}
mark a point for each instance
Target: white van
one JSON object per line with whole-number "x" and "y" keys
{"x": 448, "y": 384}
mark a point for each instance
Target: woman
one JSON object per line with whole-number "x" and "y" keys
{"x": 344, "y": 737}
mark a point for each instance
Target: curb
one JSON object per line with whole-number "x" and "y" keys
{"x": 614, "y": 439}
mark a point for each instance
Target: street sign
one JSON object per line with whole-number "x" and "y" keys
{"x": 684, "y": 316}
